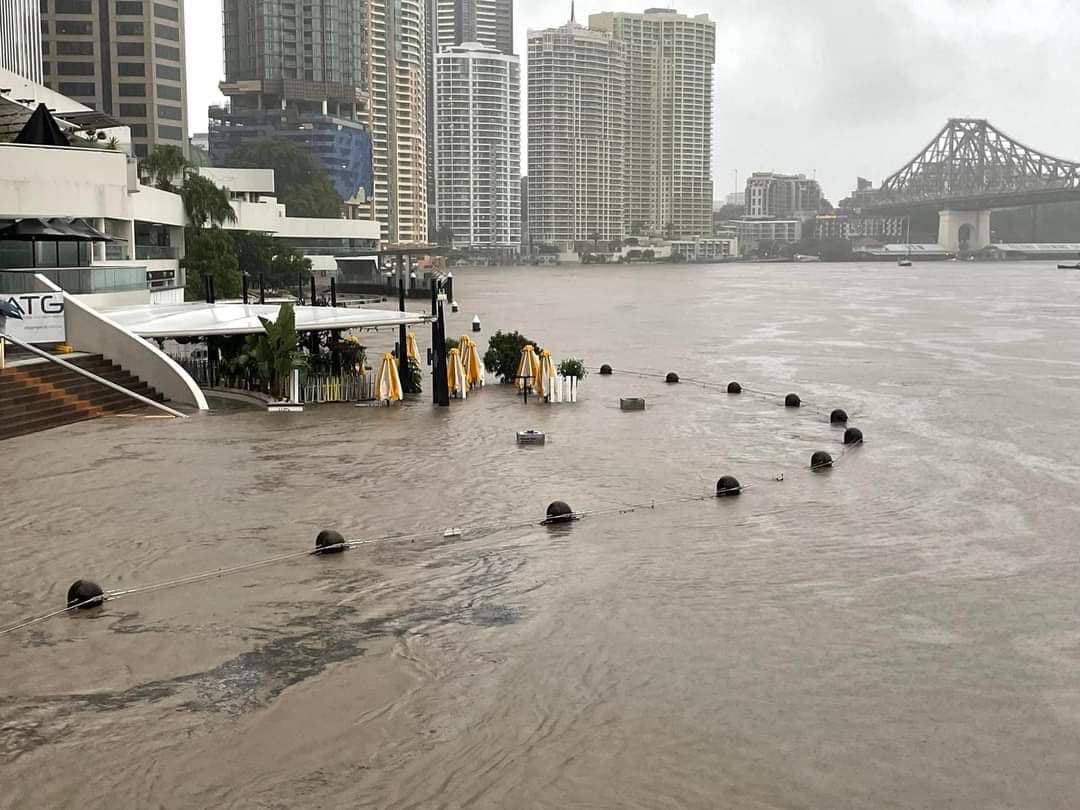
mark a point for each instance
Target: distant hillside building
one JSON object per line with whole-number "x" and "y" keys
{"x": 577, "y": 159}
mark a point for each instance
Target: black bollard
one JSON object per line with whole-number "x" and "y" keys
{"x": 792, "y": 401}
{"x": 820, "y": 460}
{"x": 85, "y": 594}
{"x": 838, "y": 417}
{"x": 671, "y": 378}
{"x": 605, "y": 370}
{"x": 329, "y": 542}
{"x": 559, "y": 512}
{"x": 853, "y": 436}
{"x": 734, "y": 388}
{"x": 728, "y": 486}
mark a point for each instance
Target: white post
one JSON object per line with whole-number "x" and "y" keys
{"x": 573, "y": 389}
{"x": 3, "y": 359}
{"x": 295, "y": 385}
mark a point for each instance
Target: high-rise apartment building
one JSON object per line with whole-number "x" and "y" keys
{"x": 296, "y": 72}
{"x": 396, "y": 54}
{"x": 780, "y": 196}
{"x": 577, "y": 113}
{"x": 478, "y": 147}
{"x": 451, "y": 23}
{"x": 669, "y": 119}
{"x": 124, "y": 58}
{"x": 20, "y": 38}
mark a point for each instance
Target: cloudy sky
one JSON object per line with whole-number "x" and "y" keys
{"x": 836, "y": 88}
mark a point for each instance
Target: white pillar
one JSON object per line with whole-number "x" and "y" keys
{"x": 950, "y": 224}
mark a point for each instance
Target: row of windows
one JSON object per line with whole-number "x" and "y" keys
{"x": 123, "y": 29}
{"x": 126, "y": 89}
{"x": 129, "y": 8}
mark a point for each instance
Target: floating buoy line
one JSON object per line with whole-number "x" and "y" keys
{"x": 85, "y": 594}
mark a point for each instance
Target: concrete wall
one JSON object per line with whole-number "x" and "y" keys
{"x": 89, "y": 330}
{"x": 258, "y": 181}
{"x": 154, "y": 205}
{"x": 55, "y": 181}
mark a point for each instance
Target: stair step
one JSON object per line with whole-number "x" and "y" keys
{"x": 68, "y": 397}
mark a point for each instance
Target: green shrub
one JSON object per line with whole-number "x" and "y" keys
{"x": 572, "y": 367}
{"x": 412, "y": 382}
{"x": 504, "y": 354}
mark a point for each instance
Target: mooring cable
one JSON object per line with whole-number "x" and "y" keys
{"x": 496, "y": 525}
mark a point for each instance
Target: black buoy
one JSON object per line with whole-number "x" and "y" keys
{"x": 734, "y": 388}
{"x": 838, "y": 417}
{"x": 605, "y": 370}
{"x": 329, "y": 542}
{"x": 559, "y": 512}
{"x": 85, "y": 594}
{"x": 728, "y": 486}
{"x": 672, "y": 377}
{"x": 820, "y": 460}
{"x": 792, "y": 401}
{"x": 852, "y": 436}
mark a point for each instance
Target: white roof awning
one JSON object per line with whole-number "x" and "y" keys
{"x": 200, "y": 319}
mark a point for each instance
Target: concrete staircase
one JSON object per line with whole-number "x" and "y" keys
{"x": 44, "y": 395}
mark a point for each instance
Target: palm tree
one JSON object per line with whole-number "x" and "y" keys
{"x": 164, "y": 165}
{"x": 205, "y": 202}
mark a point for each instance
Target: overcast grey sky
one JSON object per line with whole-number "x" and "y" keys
{"x": 837, "y": 87}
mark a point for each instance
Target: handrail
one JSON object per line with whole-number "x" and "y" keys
{"x": 91, "y": 376}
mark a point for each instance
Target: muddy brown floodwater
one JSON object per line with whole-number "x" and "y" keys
{"x": 897, "y": 632}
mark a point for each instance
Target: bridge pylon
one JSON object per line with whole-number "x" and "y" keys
{"x": 963, "y": 231}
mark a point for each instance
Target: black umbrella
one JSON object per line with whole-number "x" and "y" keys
{"x": 10, "y": 309}
{"x": 42, "y": 130}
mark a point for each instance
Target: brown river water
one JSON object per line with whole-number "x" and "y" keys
{"x": 897, "y": 632}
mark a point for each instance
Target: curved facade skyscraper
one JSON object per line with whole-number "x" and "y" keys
{"x": 478, "y": 148}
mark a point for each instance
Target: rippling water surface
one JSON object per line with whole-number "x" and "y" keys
{"x": 897, "y": 632}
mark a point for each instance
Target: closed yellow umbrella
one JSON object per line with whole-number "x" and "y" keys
{"x": 410, "y": 347}
{"x": 547, "y": 371}
{"x": 455, "y": 375}
{"x": 388, "y": 383}
{"x": 528, "y": 366}
{"x": 470, "y": 356}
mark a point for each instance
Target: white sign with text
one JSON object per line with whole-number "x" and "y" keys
{"x": 42, "y": 320}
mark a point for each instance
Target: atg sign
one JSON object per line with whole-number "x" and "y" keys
{"x": 42, "y": 320}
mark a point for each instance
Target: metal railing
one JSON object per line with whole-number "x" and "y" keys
{"x": 91, "y": 376}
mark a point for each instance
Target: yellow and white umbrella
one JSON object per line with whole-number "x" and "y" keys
{"x": 470, "y": 358}
{"x": 410, "y": 347}
{"x": 455, "y": 375}
{"x": 387, "y": 382}
{"x": 528, "y": 366}
{"x": 547, "y": 371}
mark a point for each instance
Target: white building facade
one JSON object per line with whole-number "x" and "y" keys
{"x": 478, "y": 147}
{"x": 20, "y": 38}
{"x": 669, "y": 119}
{"x": 576, "y": 137}
{"x": 396, "y": 53}
{"x": 781, "y": 196}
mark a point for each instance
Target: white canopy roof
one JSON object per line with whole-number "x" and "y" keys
{"x": 200, "y": 319}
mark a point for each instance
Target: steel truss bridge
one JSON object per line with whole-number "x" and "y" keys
{"x": 970, "y": 165}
